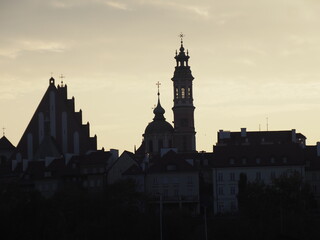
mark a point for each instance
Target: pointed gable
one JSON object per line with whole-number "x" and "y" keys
{"x": 55, "y": 116}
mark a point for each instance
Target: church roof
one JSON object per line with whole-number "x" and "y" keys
{"x": 5, "y": 144}
{"x": 48, "y": 148}
{"x": 159, "y": 123}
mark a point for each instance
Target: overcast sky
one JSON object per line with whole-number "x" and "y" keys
{"x": 251, "y": 59}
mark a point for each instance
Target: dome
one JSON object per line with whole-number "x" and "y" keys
{"x": 158, "y": 127}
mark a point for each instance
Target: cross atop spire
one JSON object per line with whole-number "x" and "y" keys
{"x": 181, "y": 36}
{"x": 62, "y": 77}
{"x": 158, "y": 84}
{"x": 3, "y": 131}
{"x": 181, "y": 57}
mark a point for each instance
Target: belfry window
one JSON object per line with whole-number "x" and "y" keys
{"x": 183, "y": 93}
{"x": 189, "y": 92}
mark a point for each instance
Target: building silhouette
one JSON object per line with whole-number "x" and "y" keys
{"x": 183, "y": 109}
{"x": 55, "y": 129}
{"x": 159, "y": 134}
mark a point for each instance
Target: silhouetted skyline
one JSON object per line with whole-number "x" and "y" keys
{"x": 250, "y": 60}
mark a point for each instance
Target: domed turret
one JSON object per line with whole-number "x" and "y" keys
{"x": 159, "y": 133}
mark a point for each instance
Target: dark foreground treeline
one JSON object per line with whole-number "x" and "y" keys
{"x": 286, "y": 211}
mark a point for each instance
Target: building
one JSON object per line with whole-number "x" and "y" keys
{"x": 261, "y": 156}
{"x": 55, "y": 129}
{"x": 159, "y": 133}
{"x": 56, "y": 149}
{"x": 175, "y": 181}
{"x": 183, "y": 109}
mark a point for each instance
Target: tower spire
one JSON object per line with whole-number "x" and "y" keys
{"x": 158, "y": 111}
{"x": 183, "y": 108}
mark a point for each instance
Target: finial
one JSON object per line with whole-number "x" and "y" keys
{"x": 158, "y": 84}
{"x": 61, "y": 77}
{"x": 181, "y": 35}
{"x": 3, "y": 131}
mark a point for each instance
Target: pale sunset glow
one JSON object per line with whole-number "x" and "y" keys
{"x": 253, "y": 62}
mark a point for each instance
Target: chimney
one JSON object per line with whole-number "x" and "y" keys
{"x": 243, "y": 132}
{"x": 293, "y": 135}
{"x": 114, "y": 154}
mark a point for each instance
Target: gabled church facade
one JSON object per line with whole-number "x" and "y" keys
{"x": 55, "y": 129}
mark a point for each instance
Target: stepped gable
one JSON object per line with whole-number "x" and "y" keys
{"x": 56, "y": 116}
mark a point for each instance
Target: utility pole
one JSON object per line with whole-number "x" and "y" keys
{"x": 160, "y": 217}
{"x": 205, "y": 223}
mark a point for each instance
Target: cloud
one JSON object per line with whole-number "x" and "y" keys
{"x": 117, "y": 5}
{"x": 15, "y": 48}
{"x": 75, "y": 3}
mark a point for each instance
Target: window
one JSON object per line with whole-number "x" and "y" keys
{"x": 189, "y": 180}
{"x": 150, "y": 146}
{"x": 258, "y": 160}
{"x": 165, "y": 192}
{"x": 183, "y": 93}
{"x": 160, "y": 144}
{"x": 165, "y": 180}
{"x": 232, "y": 176}
{"x": 177, "y": 93}
{"x": 233, "y": 206}
{"x": 273, "y": 175}
{"x": 272, "y": 160}
{"x": 155, "y": 180}
{"x": 258, "y": 176}
{"x": 220, "y": 190}
{"x": 220, "y": 177}
{"x": 220, "y": 206}
{"x": 232, "y": 190}
{"x": 176, "y": 192}
{"x": 189, "y": 92}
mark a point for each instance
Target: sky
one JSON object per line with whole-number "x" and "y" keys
{"x": 255, "y": 64}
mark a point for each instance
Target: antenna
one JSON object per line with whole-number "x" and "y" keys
{"x": 267, "y": 124}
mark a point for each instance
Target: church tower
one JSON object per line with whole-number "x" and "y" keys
{"x": 183, "y": 109}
